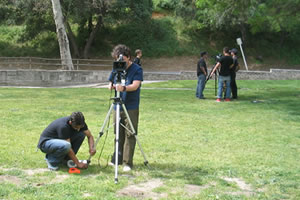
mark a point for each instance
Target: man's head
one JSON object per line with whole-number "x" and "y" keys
{"x": 77, "y": 120}
{"x": 233, "y": 51}
{"x": 203, "y": 54}
{"x": 226, "y": 50}
{"x": 123, "y": 50}
{"x": 138, "y": 53}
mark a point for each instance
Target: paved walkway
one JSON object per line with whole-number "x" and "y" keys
{"x": 96, "y": 85}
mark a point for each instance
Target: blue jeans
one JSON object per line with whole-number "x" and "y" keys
{"x": 222, "y": 79}
{"x": 57, "y": 149}
{"x": 200, "y": 86}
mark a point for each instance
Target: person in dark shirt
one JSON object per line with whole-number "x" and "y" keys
{"x": 201, "y": 74}
{"x": 225, "y": 63}
{"x": 137, "y": 59}
{"x": 130, "y": 95}
{"x": 63, "y": 138}
{"x": 233, "y": 71}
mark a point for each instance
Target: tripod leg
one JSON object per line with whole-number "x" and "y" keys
{"x": 216, "y": 84}
{"x": 134, "y": 133}
{"x": 145, "y": 159}
{"x": 117, "y": 141}
{"x": 101, "y": 130}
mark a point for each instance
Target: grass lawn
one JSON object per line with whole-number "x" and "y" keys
{"x": 197, "y": 149}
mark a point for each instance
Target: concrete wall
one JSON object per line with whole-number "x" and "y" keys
{"x": 52, "y": 78}
{"x": 273, "y": 74}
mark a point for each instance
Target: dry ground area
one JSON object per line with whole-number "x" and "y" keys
{"x": 144, "y": 190}
{"x": 189, "y": 63}
{"x": 164, "y": 64}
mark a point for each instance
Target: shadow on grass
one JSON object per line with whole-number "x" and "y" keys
{"x": 190, "y": 174}
{"x": 278, "y": 100}
{"x": 186, "y": 173}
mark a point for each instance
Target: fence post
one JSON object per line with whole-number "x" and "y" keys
{"x": 29, "y": 62}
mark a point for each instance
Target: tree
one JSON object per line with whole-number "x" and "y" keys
{"x": 65, "y": 53}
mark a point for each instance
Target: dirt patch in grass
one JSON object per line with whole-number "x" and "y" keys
{"x": 193, "y": 190}
{"x": 10, "y": 179}
{"x": 245, "y": 188}
{"x": 30, "y": 172}
{"x": 143, "y": 190}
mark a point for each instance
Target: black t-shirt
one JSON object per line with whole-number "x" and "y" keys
{"x": 226, "y": 62}
{"x": 137, "y": 60}
{"x": 201, "y": 63}
{"x": 235, "y": 65}
{"x": 59, "y": 129}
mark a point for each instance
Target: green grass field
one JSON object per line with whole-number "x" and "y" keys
{"x": 197, "y": 149}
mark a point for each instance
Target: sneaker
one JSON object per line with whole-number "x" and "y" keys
{"x": 218, "y": 100}
{"x": 126, "y": 168}
{"x": 227, "y": 99}
{"x": 51, "y": 166}
{"x": 111, "y": 164}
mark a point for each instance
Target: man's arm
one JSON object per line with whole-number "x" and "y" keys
{"x": 73, "y": 157}
{"x": 215, "y": 68}
{"x": 203, "y": 70}
{"x": 129, "y": 88}
{"x": 91, "y": 142}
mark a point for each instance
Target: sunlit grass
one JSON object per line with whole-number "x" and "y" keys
{"x": 186, "y": 141}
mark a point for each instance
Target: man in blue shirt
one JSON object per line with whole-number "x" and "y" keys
{"x": 201, "y": 74}
{"x": 130, "y": 95}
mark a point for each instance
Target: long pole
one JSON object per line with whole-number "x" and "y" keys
{"x": 239, "y": 41}
{"x": 117, "y": 136}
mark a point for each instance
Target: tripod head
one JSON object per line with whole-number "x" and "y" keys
{"x": 119, "y": 69}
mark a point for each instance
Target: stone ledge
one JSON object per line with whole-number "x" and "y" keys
{"x": 52, "y": 78}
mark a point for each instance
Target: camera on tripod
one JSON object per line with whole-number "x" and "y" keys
{"x": 120, "y": 65}
{"x": 218, "y": 57}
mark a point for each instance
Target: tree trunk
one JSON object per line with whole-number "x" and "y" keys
{"x": 92, "y": 37}
{"x": 65, "y": 54}
{"x": 73, "y": 41}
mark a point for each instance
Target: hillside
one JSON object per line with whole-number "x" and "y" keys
{"x": 188, "y": 63}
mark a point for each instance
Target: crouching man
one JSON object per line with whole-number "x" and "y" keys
{"x": 61, "y": 140}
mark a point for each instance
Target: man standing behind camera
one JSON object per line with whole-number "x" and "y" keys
{"x": 201, "y": 74}
{"x": 130, "y": 95}
{"x": 226, "y": 62}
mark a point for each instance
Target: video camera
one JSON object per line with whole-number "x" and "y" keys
{"x": 119, "y": 69}
{"x": 218, "y": 57}
{"x": 119, "y": 65}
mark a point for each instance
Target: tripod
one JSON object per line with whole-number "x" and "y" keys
{"x": 216, "y": 78}
{"x": 118, "y": 103}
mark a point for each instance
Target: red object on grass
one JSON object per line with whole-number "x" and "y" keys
{"x": 74, "y": 170}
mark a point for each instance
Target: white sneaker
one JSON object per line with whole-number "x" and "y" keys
{"x": 126, "y": 168}
{"x": 51, "y": 166}
{"x": 111, "y": 164}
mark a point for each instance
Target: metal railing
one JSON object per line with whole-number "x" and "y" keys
{"x": 53, "y": 63}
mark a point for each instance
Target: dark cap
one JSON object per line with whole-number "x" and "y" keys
{"x": 203, "y": 53}
{"x": 234, "y": 50}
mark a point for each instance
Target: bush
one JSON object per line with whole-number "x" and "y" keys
{"x": 155, "y": 38}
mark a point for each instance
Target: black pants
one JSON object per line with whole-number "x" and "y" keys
{"x": 233, "y": 86}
